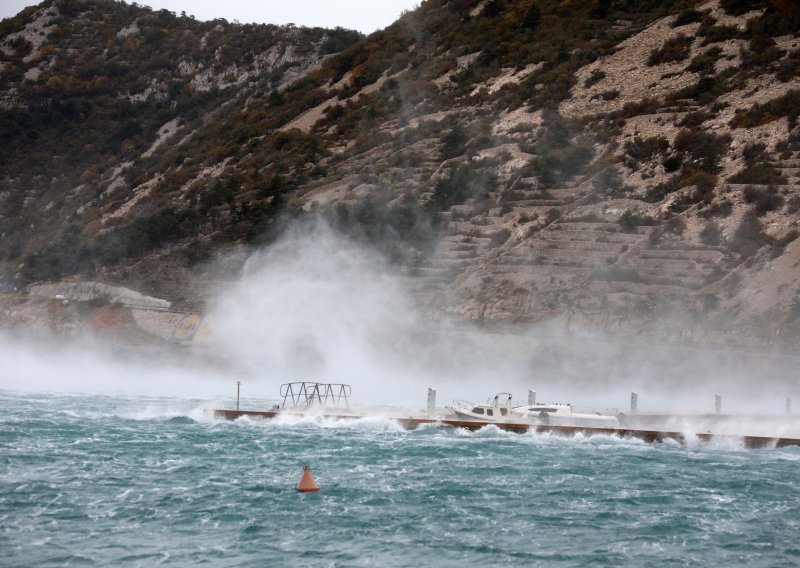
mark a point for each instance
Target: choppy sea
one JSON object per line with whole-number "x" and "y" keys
{"x": 135, "y": 481}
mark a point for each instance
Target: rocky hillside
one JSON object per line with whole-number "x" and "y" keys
{"x": 629, "y": 166}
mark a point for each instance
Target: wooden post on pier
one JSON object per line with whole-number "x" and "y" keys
{"x": 238, "y": 384}
{"x": 634, "y": 403}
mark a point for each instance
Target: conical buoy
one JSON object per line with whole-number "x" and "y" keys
{"x": 307, "y": 483}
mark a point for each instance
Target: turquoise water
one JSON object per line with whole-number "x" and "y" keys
{"x": 134, "y": 481}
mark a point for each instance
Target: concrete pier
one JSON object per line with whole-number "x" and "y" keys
{"x": 646, "y": 434}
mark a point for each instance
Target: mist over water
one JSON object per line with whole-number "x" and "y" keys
{"x": 138, "y": 472}
{"x": 46, "y": 364}
{"x": 317, "y": 306}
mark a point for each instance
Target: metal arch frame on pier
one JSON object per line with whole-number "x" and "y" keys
{"x": 308, "y": 393}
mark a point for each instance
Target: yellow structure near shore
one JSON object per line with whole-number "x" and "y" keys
{"x": 193, "y": 328}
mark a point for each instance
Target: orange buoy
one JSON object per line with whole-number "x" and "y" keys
{"x": 307, "y": 483}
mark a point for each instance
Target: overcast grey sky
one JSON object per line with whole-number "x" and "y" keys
{"x": 364, "y": 15}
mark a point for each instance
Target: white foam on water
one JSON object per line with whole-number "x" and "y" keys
{"x": 724, "y": 443}
{"x": 584, "y": 440}
{"x": 492, "y": 432}
{"x": 790, "y": 453}
{"x": 378, "y": 424}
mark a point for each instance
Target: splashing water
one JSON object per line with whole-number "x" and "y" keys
{"x": 142, "y": 481}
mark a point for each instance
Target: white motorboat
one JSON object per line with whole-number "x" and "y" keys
{"x": 500, "y": 409}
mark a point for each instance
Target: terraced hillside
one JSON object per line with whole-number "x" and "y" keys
{"x": 589, "y": 164}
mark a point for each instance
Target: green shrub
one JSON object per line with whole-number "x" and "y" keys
{"x": 629, "y": 220}
{"x": 674, "y": 49}
{"x": 198, "y": 252}
{"x": 762, "y": 199}
{"x": 759, "y": 114}
{"x": 704, "y": 63}
{"x": 655, "y": 236}
{"x": 453, "y": 142}
{"x": 561, "y": 152}
{"x": 660, "y": 191}
{"x": 339, "y": 39}
{"x": 717, "y": 34}
{"x": 705, "y": 90}
{"x": 552, "y": 216}
{"x": 557, "y": 164}
{"x": 594, "y": 77}
{"x": 500, "y": 237}
{"x": 703, "y": 183}
{"x": 711, "y": 234}
{"x": 789, "y": 68}
{"x": 749, "y": 236}
{"x": 721, "y": 208}
{"x": 640, "y": 149}
{"x": 779, "y": 244}
{"x": 781, "y": 17}
{"x": 760, "y": 174}
{"x": 600, "y": 9}
{"x": 608, "y": 181}
{"x": 675, "y": 225}
{"x": 762, "y": 50}
{"x": 647, "y": 105}
{"x": 460, "y": 184}
{"x": 793, "y": 204}
{"x": 532, "y": 17}
{"x": 672, "y": 163}
{"x": 695, "y": 119}
{"x": 739, "y": 7}
{"x": 687, "y": 16}
{"x": 704, "y": 149}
